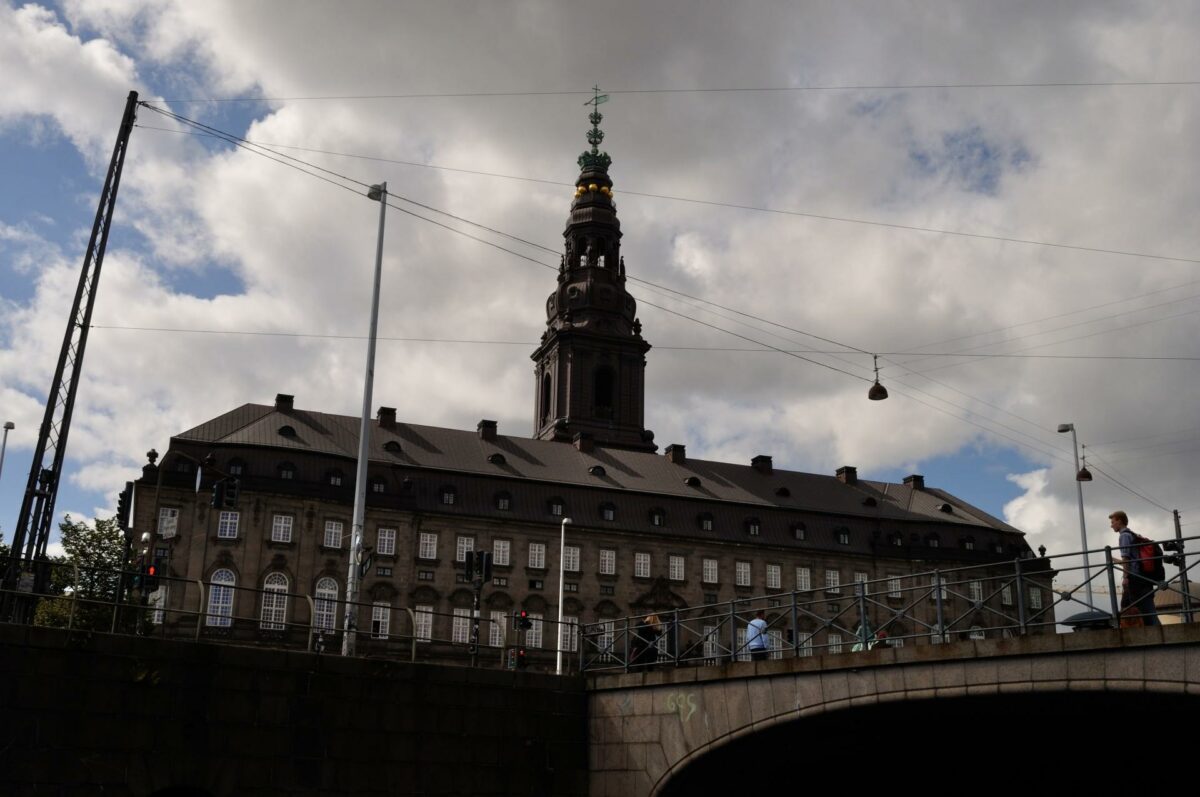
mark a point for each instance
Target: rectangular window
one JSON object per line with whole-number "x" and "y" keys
{"x": 385, "y": 542}
{"x": 675, "y": 568}
{"x": 803, "y": 579}
{"x": 427, "y": 545}
{"x": 833, "y": 582}
{"x": 537, "y": 555}
{"x": 448, "y": 497}
{"x": 607, "y": 589}
{"x": 860, "y": 583}
{"x": 460, "y": 628}
{"x": 706, "y": 524}
{"x": 424, "y": 575}
{"x": 1006, "y": 595}
{"x": 969, "y": 545}
{"x": 568, "y": 634}
{"x": 536, "y": 583}
{"x": 571, "y": 558}
{"x": 281, "y": 528}
{"x": 741, "y": 574}
{"x": 333, "y": 533}
{"x": 464, "y": 545}
{"x": 710, "y": 571}
{"x": 774, "y": 579}
{"x": 743, "y": 653}
{"x": 776, "y": 638}
{"x": 641, "y": 565}
{"x": 500, "y": 581}
{"x": 835, "y": 643}
{"x": 843, "y": 537}
{"x": 556, "y": 508}
{"x": 570, "y": 586}
{"x": 496, "y": 629}
{"x": 500, "y": 552}
{"x": 384, "y": 572}
{"x": 1035, "y": 598}
{"x": 424, "y": 619}
{"x": 806, "y": 644}
{"x": 608, "y": 562}
{"x": 168, "y": 522}
{"x": 939, "y": 588}
{"x": 533, "y": 637}
{"x": 227, "y": 526}
{"x": 894, "y": 587}
{"x": 158, "y": 604}
{"x": 381, "y": 619}
{"x": 975, "y": 591}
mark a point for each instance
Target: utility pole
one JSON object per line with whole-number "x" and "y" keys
{"x": 32, "y": 532}
{"x": 350, "y": 622}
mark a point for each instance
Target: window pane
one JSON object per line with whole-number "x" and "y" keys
{"x": 500, "y": 550}
{"x": 537, "y": 554}
{"x": 333, "y": 534}
{"x": 608, "y": 562}
{"x": 381, "y": 619}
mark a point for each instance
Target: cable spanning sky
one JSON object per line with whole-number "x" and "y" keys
{"x": 822, "y": 183}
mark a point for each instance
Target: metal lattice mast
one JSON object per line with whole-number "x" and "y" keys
{"x": 32, "y": 531}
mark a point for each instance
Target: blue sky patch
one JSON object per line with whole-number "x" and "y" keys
{"x": 970, "y": 159}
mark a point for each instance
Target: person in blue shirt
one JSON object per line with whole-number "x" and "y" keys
{"x": 1137, "y": 588}
{"x": 756, "y": 637}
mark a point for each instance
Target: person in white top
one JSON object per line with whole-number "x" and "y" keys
{"x": 756, "y": 637}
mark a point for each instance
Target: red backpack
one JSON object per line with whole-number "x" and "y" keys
{"x": 1149, "y": 555}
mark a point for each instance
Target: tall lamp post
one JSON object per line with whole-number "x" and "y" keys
{"x": 1081, "y": 475}
{"x": 350, "y": 621}
{"x": 3, "y": 445}
{"x": 562, "y": 549}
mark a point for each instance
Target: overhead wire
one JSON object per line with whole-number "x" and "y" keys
{"x": 698, "y": 90}
{"x": 250, "y": 147}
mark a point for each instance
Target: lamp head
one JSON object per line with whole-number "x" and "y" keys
{"x": 1065, "y": 427}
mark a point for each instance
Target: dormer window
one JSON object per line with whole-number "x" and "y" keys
{"x": 753, "y": 527}
{"x": 799, "y": 531}
{"x": 706, "y": 522}
{"x": 287, "y": 471}
{"x": 968, "y": 543}
{"x": 448, "y": 496}
{"x": 897, "y": 540}
{"x": 378, "y": 486}
{"x": 287, "y": 431}
{"x": 843, "y": 536}
{"x": 692, "y": 481}
{"x": 236, "y": 467}
{"x": 783, "y": 492}
{"x": 597, "y": 470}
{"x": 608, "y": 512}
{"x": 933, "y": 542}
{"x": 496, "y": 458}
{"x": 658, "y": 517}
{"x": 334, "y": 477}
{"x": 392, "y": 447}
{"x": 556, "y": 507}
{"x": 503, "y": 502}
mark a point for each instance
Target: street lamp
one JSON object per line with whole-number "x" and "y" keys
{"x": 3, "y": 445}
{"x": 1081, "y": 475}
{"x": 562, "y": 549}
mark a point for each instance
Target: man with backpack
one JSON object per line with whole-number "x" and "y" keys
{"x": 1143, "y": 565}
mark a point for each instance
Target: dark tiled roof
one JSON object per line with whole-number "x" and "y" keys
{"x": 553, "y": 463}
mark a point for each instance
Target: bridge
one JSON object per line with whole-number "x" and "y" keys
{"x": 671, "y": 731}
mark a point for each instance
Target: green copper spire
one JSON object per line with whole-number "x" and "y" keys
{"x": 595, "y": 160}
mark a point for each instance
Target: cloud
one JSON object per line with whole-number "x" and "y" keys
{"x": 219, "y": 239}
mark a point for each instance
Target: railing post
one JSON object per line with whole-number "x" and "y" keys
{"x": 1183, "y": 579}
{"x": 733, "y": 651}
{"x": 626, "y": 635}
{"x": 862, "y": 615}
{"x": 1022, "y": 617}
{"x": 795, "y": 628}
{"x": 202, "y": 615}
{"x": 75, "y": 597}
{"x": 1112, "y": 586}
{"x": 675, "y": 636}
{"x": 937, "y": 596}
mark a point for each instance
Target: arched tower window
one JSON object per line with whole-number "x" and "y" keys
{"x": 604, "y": 392}
{"x": 547, "y": 386}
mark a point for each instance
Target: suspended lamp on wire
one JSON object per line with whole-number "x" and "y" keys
{"x": 878, "y": 392}
{"x": 1084, "y": 474}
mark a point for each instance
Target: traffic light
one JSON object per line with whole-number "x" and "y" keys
{"x": 151, "y": 571}
{"x": 139, "y": 573}
{"x": 232, "y": 487}
{"x": 1177, "y": 556}
{"x": 521, "y": 621}
{"x": 522, "y": 663}
{"x": 124, "y": 500}
{"x": 218, "y": 498}
{"x": 469, "y": 566}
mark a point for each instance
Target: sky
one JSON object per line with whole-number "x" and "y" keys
{"x": 838, "y": 180}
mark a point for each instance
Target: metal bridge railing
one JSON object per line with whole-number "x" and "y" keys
{"x": 1003, "y": 599}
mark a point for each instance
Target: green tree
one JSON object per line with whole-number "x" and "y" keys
{"x": 87, "y": 578}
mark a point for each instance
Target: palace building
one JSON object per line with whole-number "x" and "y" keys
{"x": 650, "y": 532}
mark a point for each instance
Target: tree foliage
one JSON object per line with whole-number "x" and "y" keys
{"x": 86, "y": 578}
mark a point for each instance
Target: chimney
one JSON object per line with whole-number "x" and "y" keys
{"x": 583, "y": 441}
{"x": 386, "y": 417}
{"x": 676, "y": 453}
{"x": 915, "y": 481}
{"x": 486, "y": 429}
{"x": 283, "y": 402}
{"x": 847, "y": 474}
{"x": 762, "y": 463}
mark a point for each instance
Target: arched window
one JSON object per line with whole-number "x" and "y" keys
{"x": 604, "y": 397}
{"x": 325, "y": 604}
{"x": 547, "y": 386}
{"x": 220, "y": 599}
{"x": 274, "y": 603}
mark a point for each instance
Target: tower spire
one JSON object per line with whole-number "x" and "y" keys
{"x": 590, "y": 372}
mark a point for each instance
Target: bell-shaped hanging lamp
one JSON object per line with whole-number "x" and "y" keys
{"x": 877, "y": 392}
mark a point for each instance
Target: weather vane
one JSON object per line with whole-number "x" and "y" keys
{"x": 595, "y": 159}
